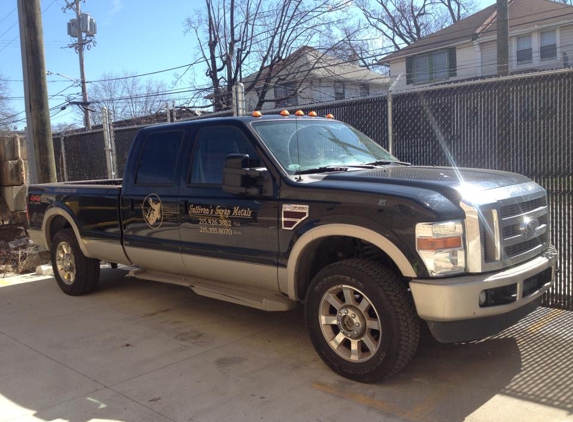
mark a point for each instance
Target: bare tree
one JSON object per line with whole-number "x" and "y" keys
{"x": 7, "y": 115}
{"x": 403, "y": 22}
{"x": 126, "y": 96}
{"x": 237, "y": 38}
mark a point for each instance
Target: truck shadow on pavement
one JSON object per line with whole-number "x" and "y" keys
{"x": 143, "y": 351}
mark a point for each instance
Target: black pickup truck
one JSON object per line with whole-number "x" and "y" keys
{"x": 268, "y": 211}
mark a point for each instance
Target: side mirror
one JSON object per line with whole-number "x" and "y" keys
{"x": 240, "y": 178}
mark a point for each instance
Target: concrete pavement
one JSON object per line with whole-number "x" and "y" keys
{"x": 142, "y": 351}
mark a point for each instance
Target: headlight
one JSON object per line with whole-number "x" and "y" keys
{"x": 441, "y": 247}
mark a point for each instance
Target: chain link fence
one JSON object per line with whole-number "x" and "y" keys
{"x": 521, "y": 123}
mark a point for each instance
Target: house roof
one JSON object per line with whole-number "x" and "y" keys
{"x": 309, "y": 63}
{"x": 523, "y": 14}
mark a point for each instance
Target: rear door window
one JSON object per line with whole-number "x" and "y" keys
{"x": 158, "y": 159}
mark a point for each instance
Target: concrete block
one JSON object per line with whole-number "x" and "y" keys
{"x": 13, "y": 173}
{"x": 23, "y": 148}
{"x": 15, "y": 197}
{"x": 45, "y": 269}
{"x": 12, "y": 147}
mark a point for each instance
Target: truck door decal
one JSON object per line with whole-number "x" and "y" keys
{"x": 152, "y": 211}
{"x": 293, "y": 215}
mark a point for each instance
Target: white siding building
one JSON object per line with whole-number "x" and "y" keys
{"x": 308, "y": 76}
{"x": 541, "y": 37}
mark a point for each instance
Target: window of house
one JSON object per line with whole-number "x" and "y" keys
{"x": 285, "y": 93}
{"x": 338, "y": 90}
{"x": 422, "y": 69}
{"x": 364, "y": 90}
{"x": 440, "y": 65}
{"x": 158, "y": 159}
{"x": 524, "y": 50}
{"x": 435, "y": 66}
{"x": 548, "y": 45}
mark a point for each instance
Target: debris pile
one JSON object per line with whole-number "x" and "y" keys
{"x": 18, "y": 255}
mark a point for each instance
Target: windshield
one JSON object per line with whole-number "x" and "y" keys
{"x": 301, "y": 145}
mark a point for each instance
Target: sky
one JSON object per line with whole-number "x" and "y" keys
{"x": 132, "y": 35}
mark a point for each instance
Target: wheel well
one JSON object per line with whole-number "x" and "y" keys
{"x": 328, "y": 250}
{"x": 58, "y": 223}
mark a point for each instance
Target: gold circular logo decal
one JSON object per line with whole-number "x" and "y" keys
{"x": 152, "y": 211}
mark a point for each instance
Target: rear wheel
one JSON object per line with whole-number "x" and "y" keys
{"x": 361, "y": 320}
{"x": 75, "y": 273}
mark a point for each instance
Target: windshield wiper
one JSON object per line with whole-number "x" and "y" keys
{"x": 325, "y": 169}
{"x": 334, "y": 167}
{"x": 386, "y": 162}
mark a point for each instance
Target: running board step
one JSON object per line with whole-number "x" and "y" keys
{"x": 246, "y": 296}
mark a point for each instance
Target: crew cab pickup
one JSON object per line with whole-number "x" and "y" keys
{"x": 268, "y": 211}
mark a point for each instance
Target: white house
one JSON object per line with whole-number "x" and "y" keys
{"x": 540, "y": 37}
{"x": 308, "y": 76}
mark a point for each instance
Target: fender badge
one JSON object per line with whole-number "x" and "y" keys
{"x": 152, "y": 211}
{"x": 293, "y": 214}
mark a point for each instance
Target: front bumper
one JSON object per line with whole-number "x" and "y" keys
{"x": 451, "y": 305}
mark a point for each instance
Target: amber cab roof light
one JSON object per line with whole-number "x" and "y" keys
{"x": 329, "y": 116}
{"x": 299, "y": 113}
{"x": 257, "y": 113}
{"x": 312, "y": 114}
{"x": 285, "y": 113}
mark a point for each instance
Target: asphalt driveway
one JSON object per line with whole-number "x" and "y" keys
{"x": 142, "y": 351}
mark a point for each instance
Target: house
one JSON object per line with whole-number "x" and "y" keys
{"x": 540, "y": 37}
{"x": 308, "y": 76}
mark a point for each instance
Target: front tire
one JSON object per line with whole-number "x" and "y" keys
{"x": 361, "y": 320}
{"x": 75, "y": 273}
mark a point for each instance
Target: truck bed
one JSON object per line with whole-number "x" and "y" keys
{"x": 92, "y": 206}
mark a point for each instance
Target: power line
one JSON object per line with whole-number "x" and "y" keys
{"x": 9, "y": 13}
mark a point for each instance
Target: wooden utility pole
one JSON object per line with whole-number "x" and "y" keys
{"x": 36, "y": 89}
{"x": 502, "y": 38}
{"x": 87, "y": 121}
{"x": 75, "y": 6}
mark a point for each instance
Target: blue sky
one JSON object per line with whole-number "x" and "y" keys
{"x": 133, "y": 35}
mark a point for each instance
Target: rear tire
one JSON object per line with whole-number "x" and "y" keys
{"x": 361, "y": 320}
{"x": 75, "y": 273}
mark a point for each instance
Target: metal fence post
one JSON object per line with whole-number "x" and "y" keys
{"x": 390, "y": 127}
{"x": 239, "y": 99}
{"x": 112, "y": 146}
{"x": 64, "y": 161}
{"x": 107, "y": 143}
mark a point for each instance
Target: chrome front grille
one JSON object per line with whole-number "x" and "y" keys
{"x": 525, "y": 229}
{"x": 523, "y": 207}
{"x": 506, "y": 227}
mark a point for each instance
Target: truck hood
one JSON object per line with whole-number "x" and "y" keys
{"x": 457, "y": 184}
{"x": 445, "y": 176}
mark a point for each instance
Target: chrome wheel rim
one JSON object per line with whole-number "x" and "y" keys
{"x": 65, "y": 263}
{"x": 350, "y": 323}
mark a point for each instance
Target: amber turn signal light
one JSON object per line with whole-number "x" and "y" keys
{"x": 434, "y": 244}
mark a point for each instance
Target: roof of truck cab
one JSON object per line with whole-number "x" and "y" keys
{"x": 244, "y": 119}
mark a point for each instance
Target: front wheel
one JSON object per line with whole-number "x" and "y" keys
{"x": 361, "y": 320}
{"x": 75, "y": 273}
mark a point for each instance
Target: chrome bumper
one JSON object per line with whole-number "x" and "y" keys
{"x": 457, "y": 298}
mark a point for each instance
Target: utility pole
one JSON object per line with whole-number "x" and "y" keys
{"x": 36, "y": 91}
{"x": 502, "y": 38}
{"x": 76, "y": 29}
